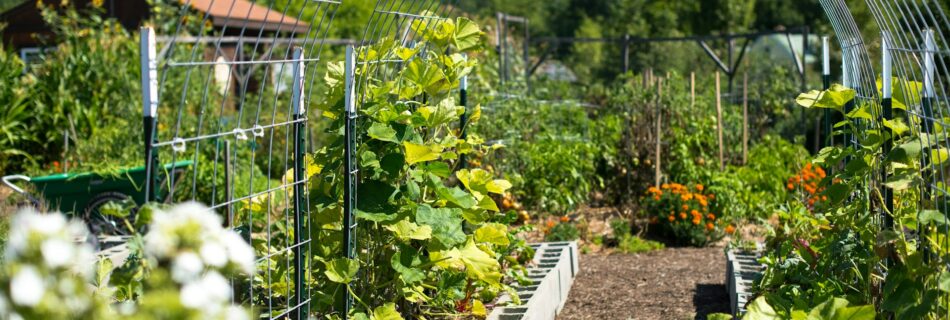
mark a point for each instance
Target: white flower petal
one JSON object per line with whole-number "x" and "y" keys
{"x": 27, "y": 287}
{"x": 186, "y": 267}
{"x": 57, "y": 252}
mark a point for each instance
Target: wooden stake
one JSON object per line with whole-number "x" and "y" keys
{"x": 692, "y": 89}
{"x": 745, "y": 118}
{"x": 659, "y": 128}
{"x": 722, "y": 162}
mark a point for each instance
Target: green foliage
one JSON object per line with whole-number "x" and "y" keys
{"x": 421, "y": 227}
{"x": 628, "y": 243}
{"x": 824, "y": 258}
{"x": 562, "y": 232}
{"x": 832, "y": 309}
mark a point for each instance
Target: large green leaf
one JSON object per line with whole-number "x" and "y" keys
{"x": 446, "y": 224}
{"x": 943, "y": 282}
{"x": 342, "y": 270}
{"x": 382, "y": 132}
{"x": 833, "y": 98}
{"x": 934, "y": 217}
{"x": 416, "y": 153}
{"x": 760, "y": 310}
{"x": 406, "y": 262}
{"x": 478, "y": 264}
{"x": 467, "y": 35}
{"x": 454, "y": 196}
{"x": 406, "y": 230}
{"x": 482, "y": 181}
{"x": 428, "y": 77}
{"x": 386, "y": 312}
{"x": 375, "y": 202}
{"x": 494, "y": 233}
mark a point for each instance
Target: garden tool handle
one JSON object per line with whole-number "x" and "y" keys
{"x": 7, "y": 181}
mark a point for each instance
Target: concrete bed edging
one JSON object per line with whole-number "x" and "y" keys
{"x": 742, "y": 268}
{"x": 552, "y": 274}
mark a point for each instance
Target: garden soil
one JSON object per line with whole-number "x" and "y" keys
{"x": 674, "y": 283}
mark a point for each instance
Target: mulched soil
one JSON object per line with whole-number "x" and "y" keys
{"x": 674, "y": 283}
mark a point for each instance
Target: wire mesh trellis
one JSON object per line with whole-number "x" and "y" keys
{"x": 913, "y": 58}
{"x": 237, "y": 111}
{"x": 400, "y": 21}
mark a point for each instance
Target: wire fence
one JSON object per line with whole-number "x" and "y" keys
{"x": 910, "y": 85}
{"x": 224, "y": 93}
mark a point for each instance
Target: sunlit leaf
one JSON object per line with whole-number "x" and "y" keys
{"x": 342, "y": 270}
{"x": 467, "y": 35}
{"x": 406, "y": 230}
{"x": 416, "y": 153}
{"x": 494, "y": 233}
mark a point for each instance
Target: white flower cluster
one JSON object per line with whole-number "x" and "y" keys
{"x": 191, "y": 238}
{"x": 44, "y": 259}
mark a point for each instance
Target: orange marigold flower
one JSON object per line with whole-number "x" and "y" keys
{"x": 685, "y": 207}
{"x": 665, "y": 186}
{"x": 697, "y": 221}
{"x": 565, "y": 219}
{"x": 695, "y": 213}
{"x": 550, "y": 224}
{"x": 710, "y": 226}
{"x": 824, "y": 198}
{"x": 671, "y": 218}
{"x": 656, "y": 198}
{"x": 699, "y": 187}
{"x": 730, "y": 229}
{"x": 791, "y": 186}
{"x": 711, "y": 216}
{"x": 683, "y": 215}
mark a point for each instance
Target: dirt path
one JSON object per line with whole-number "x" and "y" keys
{"x": 675, "y": 283}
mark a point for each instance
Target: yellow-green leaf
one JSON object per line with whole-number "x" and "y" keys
{"x": 478, "y": 308}
{"x": 467, "y": 35}
{"x": 342, "y": 270}
{"x": 406, "y": 53}
{"x": 386, "y": 312}
{"x": 833, "y": 98}
{"x": 939, "y": 155}
{"x": 406, "y": 230}
{"x": 494, "y": 233}
{"x": 416, "y": 153}
{"x": 478, "y": 264}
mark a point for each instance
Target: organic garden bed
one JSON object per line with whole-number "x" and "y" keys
{"x": 674, "y": 283}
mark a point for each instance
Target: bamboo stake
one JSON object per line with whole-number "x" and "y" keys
{"x": 722, "y": 162}
{"x": 659, "y": 127}
{"x": 745, "y": 118}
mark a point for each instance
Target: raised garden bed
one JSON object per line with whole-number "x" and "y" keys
{"x": 742, "y": 268}
{"x": 552, "y": 274}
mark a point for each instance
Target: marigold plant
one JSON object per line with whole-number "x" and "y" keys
{"x": 684, "y": 213}
{"x": 806, "y": 185}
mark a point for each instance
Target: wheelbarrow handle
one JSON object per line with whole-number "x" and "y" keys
{"x": 7, "y": 181}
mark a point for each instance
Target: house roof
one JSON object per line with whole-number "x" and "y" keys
{"x": 25, "y": 24}
{"x": 243, "y": 13}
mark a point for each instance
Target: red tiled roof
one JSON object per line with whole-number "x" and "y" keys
{"x": 238, "y": 13}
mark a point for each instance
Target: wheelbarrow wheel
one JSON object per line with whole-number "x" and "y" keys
{"x": 101, "y": 224}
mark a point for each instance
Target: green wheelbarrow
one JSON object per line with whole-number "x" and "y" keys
{"x": 86, "y": 194}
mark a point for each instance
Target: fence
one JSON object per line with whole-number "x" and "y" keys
{"x": 232, "y": 108}
{"x": 912, "y": 87}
